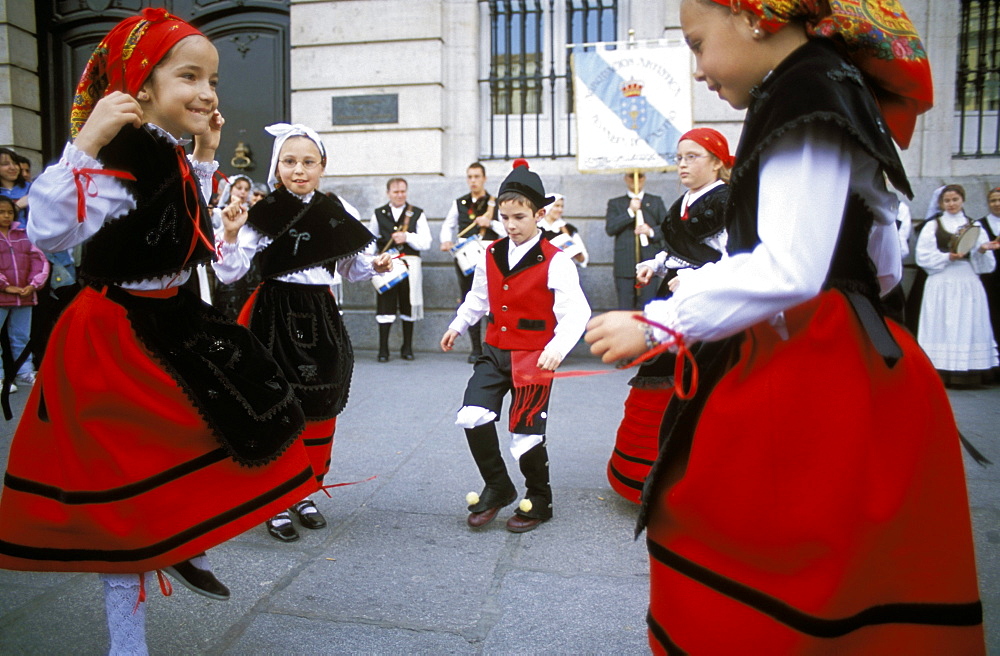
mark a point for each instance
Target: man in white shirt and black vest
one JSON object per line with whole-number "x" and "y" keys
{"x": 476, "y": 207}
{"x": 403, "y": 227}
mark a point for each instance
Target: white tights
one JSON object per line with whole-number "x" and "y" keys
{"x": 126, "y": 617}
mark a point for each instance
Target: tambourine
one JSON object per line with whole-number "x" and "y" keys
{"x": 965, "y": 239}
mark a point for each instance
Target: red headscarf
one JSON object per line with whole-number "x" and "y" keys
{"x": 125, "y": 57}
{"x": 880, "y": 40}
{"x": 712, "y": 141}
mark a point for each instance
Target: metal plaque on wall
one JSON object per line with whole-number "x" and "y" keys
{"x": 357, "y": 110}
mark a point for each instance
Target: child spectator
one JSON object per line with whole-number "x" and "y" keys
{"x": 537, "y": 312}
{"x": 23, "y": 270}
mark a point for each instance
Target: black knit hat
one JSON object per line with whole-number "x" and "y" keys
{"x": 526, "y": 183}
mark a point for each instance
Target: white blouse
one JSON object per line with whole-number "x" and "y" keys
{"x": 930, "y": 258}
{"x": 236, "y": 257}
{"x": 805, "y": 178}
{"x": 54, "y": 226}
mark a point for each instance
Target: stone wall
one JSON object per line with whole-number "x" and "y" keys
{"x": 20, "y": 122}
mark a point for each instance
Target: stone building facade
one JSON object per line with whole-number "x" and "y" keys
{"x": 423, "y": 74}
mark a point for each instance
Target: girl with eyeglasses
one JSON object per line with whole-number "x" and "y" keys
{"x": 299, "y": 237}
{"x": 694, "y": 234}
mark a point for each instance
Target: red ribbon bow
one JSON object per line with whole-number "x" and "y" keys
{"x": 84, "y": 178}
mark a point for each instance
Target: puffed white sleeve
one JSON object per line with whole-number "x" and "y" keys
{"x": 420, "y": 237}
{"x": 235, "y": 259}
{"x": 798, "y": 226}
{"x": 54, "y": 198}
{"x": 927, "y": 254}
{"x": 449, "y": 224}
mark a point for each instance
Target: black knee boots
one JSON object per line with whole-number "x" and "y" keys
{"x": 383, "y": 341}
{"x": 407, "y": 351}
{"x": 485, "y": 447}
{"x": 535, "y": 467}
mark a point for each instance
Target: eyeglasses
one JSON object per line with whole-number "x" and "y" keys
{"x": 291, "y": 163}
{"x": 690, "y": 158}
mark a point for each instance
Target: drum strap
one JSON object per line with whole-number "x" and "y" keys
{"x": 874, "y": 325}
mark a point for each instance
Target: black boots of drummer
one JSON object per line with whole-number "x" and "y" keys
{"x": 406, "y": 352}
{"x": 499, "y": 490}
{"x": 383, "y": 341}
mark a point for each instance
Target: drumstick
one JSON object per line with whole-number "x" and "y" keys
{"x": 467, "y": 228}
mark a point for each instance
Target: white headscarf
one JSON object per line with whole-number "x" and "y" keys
{"x": 281, "y": 133}
{"x": 555, "y": 199}
{"x": 227, "y": 191}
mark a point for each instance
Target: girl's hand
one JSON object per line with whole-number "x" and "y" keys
{"x": 21, "y": 202}
{"x": 12, "y": 289}
{"x": 448, "y": 340}
{"x": 954, "y": 256}
{"x": 674, "y": 283}
{"x": 26, "y": 292}
{"x": 110, "y": 114}
{"x": 643, "y": 275}
{"x": 383, "y": 263}
{"x": 206, "y": 144}
{"x": 615, "y": 336}
{"x": 549, "y": 360}
{"x": 234, "y": 216}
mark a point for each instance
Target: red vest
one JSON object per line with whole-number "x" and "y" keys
{"x": 521, "y": 316}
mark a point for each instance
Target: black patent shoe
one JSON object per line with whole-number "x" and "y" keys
{"x": 472, "y": 358}
{"x": 202, "y": 581}
{"x": 285, "y": 532}
{"x": 383, "y": 357}
{"x": 312, "y": 519}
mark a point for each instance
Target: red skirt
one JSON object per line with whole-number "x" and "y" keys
{"x": 113, "y": 470}
{"x": 823, "y": 507}
{"x": 637, "y": 441}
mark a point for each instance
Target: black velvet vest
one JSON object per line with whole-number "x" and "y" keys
{"x": 154, "y": 239}
{"x": 706, "y": 217}
{"x": 477, "y": 208}
{"x": 306, "y": 235}
{"x": 387, "y": 225}
{"x": 814, "y": 85}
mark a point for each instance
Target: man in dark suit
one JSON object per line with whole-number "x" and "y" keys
{"x": 622, "y": 223}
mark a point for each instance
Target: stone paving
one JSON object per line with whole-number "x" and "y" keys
{"x": 398, "y": 572}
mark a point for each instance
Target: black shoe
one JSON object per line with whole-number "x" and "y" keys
{"x": 285, "y": 532}
{"x": 383, "y": 357}
{"x": 472, "y": 358}
{"x": 310, "y": 519}
{"x": 197, "y": 580}
{"x": 406, "y": 356}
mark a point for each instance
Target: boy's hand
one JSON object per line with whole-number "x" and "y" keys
{"x": 643, "y": 275}
{"x": 549, "y": 360}
{"x": 448, "y": 340}
{"x": 111, "y": 112}
{"x": 447, "y": 246}
{"x": 234, "y": 216}
{"x": 615, "y": 336}
{"x": 206, "y": 144}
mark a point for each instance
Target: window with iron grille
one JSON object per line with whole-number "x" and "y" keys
{"x": 526, "y": 91}
{"x": 977, "y": 86}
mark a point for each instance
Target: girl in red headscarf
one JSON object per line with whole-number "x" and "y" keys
{"x": 809, "y": 496}
{"x": 695, "y": 234}
{"x": 156, "y": 428}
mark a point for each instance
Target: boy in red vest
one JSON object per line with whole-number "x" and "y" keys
{"x": 537, "y": 313}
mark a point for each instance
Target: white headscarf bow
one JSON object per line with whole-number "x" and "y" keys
{"x": 281, "y": 133}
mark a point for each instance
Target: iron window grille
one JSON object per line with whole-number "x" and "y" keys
{"x": 977, "y": 85}
{"x": 527, "y": 90}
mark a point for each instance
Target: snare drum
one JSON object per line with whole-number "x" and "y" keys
{"x": 566, "y": 244}
{"x": 383, "y": 282}
{"x": 965, "y": 239}
{"x": 467, "y": 254}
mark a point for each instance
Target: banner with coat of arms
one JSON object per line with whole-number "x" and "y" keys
{"x": 632, "y": 105}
